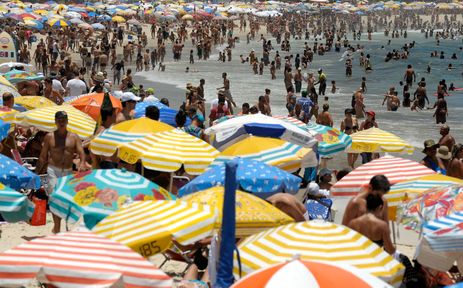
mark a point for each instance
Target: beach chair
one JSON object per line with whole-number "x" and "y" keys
{"x": 176, "y": 254}
{"x": 26, "y": 162}
{"x": 319, "y": 209}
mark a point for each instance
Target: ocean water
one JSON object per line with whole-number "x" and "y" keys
{"x": 415, "y": 127}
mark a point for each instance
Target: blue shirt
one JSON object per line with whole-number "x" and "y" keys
{"x": 306, "y": 104}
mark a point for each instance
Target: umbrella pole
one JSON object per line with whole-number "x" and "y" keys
{"x": 171, "y": 181}
{"x": 393, "y": 232}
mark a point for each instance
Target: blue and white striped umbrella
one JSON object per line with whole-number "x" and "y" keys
{"x": 166, "y": 114}
{"x": 445, "y": 234}
{"x": 98, "y": 193}
{"x": 14, "y": 206}
{"x": 330, "y": 140}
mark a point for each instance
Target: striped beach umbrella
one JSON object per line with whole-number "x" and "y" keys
{"x": 6, "y": 86}
{"x": 78, "y": 259}
{"x": 107, "y": 143}
{"x": 55, "y": 22}
{"x": 394, "y": 168}
{"x": 148, "y": 227}
{"x": 14, "y": 206}
{"x": 330, "y": 140}
{"x": 274, "y": 152}
{"x": 44, "y": 119}
{"x": 168, "y": 151}
{"x": 299, "y": 273}
{"x": 8, "y": 115}
{"x": 166, "y": 114}
{"x": 446, "y": 224}
{"x": 377, "y": 140}
{"x": 253, "y": 214}
{"x": 407, "y": 190}
{"x": 98, "y": 193}
{"x": 317, "y": 241}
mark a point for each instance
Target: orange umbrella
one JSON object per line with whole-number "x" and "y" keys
{"x": 90, "y": 104}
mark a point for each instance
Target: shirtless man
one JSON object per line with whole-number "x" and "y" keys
{"x": 228, "y": 95}
{"x": 410, "y": 75}
{"x": 357, "y": 206}
{"x": 455, "y": 168}
{"x": 420, "y": 95}
{"x": 446, "y": 139}
{"x": 58, "y": 152}
{"x": 128, "y": 101}
{"x": 372, "y": 226}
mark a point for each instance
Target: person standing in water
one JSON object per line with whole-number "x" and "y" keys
{"x": 227, "y": 93}
{"x": 410, "y": 75}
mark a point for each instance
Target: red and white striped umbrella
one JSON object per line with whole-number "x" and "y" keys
{"x": 78, "y": 259}
{"x": 396, "y": 169}
{"x": 299, "y": 273}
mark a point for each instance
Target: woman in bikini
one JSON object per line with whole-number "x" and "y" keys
{"x": 350, "y": 125}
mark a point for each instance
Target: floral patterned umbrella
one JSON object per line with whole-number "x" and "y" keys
{"x": 433, "y": 204}
{"x": 98, "y": 193}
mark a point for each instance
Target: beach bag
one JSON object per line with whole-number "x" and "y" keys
{"x": 39, "y": 218}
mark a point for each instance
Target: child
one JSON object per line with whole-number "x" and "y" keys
{"x": 333, "y": 86}
{"x": 364, "y": 85}
{"x": 192, "y": 60}
{"x": 162, "y": 67}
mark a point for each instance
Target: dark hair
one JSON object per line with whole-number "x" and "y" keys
{"x": 342, "y": 173}
{"x": 165, "y": 101}
{"x": 245, "y": 105}
{"x": 348, "y": 111}
{"x": 326, "y": 107}
{"x": 7, "y": 96}
{"x": 152, "y": 112}
{"x": 456, "y": 149}
{"x": 373, "y": 202}
{"x": 106, "y": 113}
{"x": 180, "y": 118}
{"x": 380, "y": 183}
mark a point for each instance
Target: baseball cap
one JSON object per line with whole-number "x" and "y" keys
{"x": 371, "y": 113}
{"x": 129, "y": 96}
{"x": 61, "y": 115}
{"x": 429, "y": 144}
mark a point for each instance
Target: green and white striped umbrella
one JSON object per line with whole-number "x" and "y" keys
{"x": 14, "y": 206}
{"x": 98, "y": 193}
{"x": 330, "y": 140}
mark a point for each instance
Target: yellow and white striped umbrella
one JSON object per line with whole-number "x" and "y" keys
{"x": 168, "y": 151}
{"x": 44, "y": 119}
{"x": 377, "y": 140}
{"x": 317, "y": 241}
{"x": 33, "y": 102}
{"x": 107, "y": 143}
{"x": 8, "y": 115}
{"x": 148, "y": 227}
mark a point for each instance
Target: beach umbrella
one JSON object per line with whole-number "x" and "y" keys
{"x": 33, "y": 24}
{"x": 252, "y": 176}
{"x": 108, "y": 142}
{"x": 44, "y": 119}
{"x": 274, "y": 152}
{"x": 168, "y": 151}
{"x": 431, "y": 205}
{"x": 78, "y": 259}
{"x": 76, "y": 21}
{"x": 15, "y": 206}
{"x": 91, "y": 104}
{"x": 233, "y": 130}
{"x": 16, "y": 76}
{"x": 98, "y": 26}
{"x": 72, "y": 14}
{"x": 148, "y": 227}
{"x": 330, "y": 140}
{"x": 6, "y": 86}
{"x": 8, "y": 115}
{"x": 253, "y": 214}
{"x": 394, "y": 168}
{"x": 299, "y": 273}
{"x": 377, "y": 140}
{"x": 118, "y": 19}
{"x": 85, "y": 26}
{"x": 166, "y": 114}
{"x": 442, "y": 244}
{"x": 187, "y": 17}
{"x": 8, "y": 66}
{"x": 4, "y": 129}
{"x": 317, "y": 241}
{"x": 98, "y": 193}
{"x": 407, "y": 190}
{"x": 41, "y": 12}
{"x": 55, "y": 22}
{"x": 16, "y": 176}
{"x": 134, "y": 22}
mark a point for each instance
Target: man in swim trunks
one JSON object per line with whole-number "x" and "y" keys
{"x": 410, "y": 75}
{"x": 58, "y": 152}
